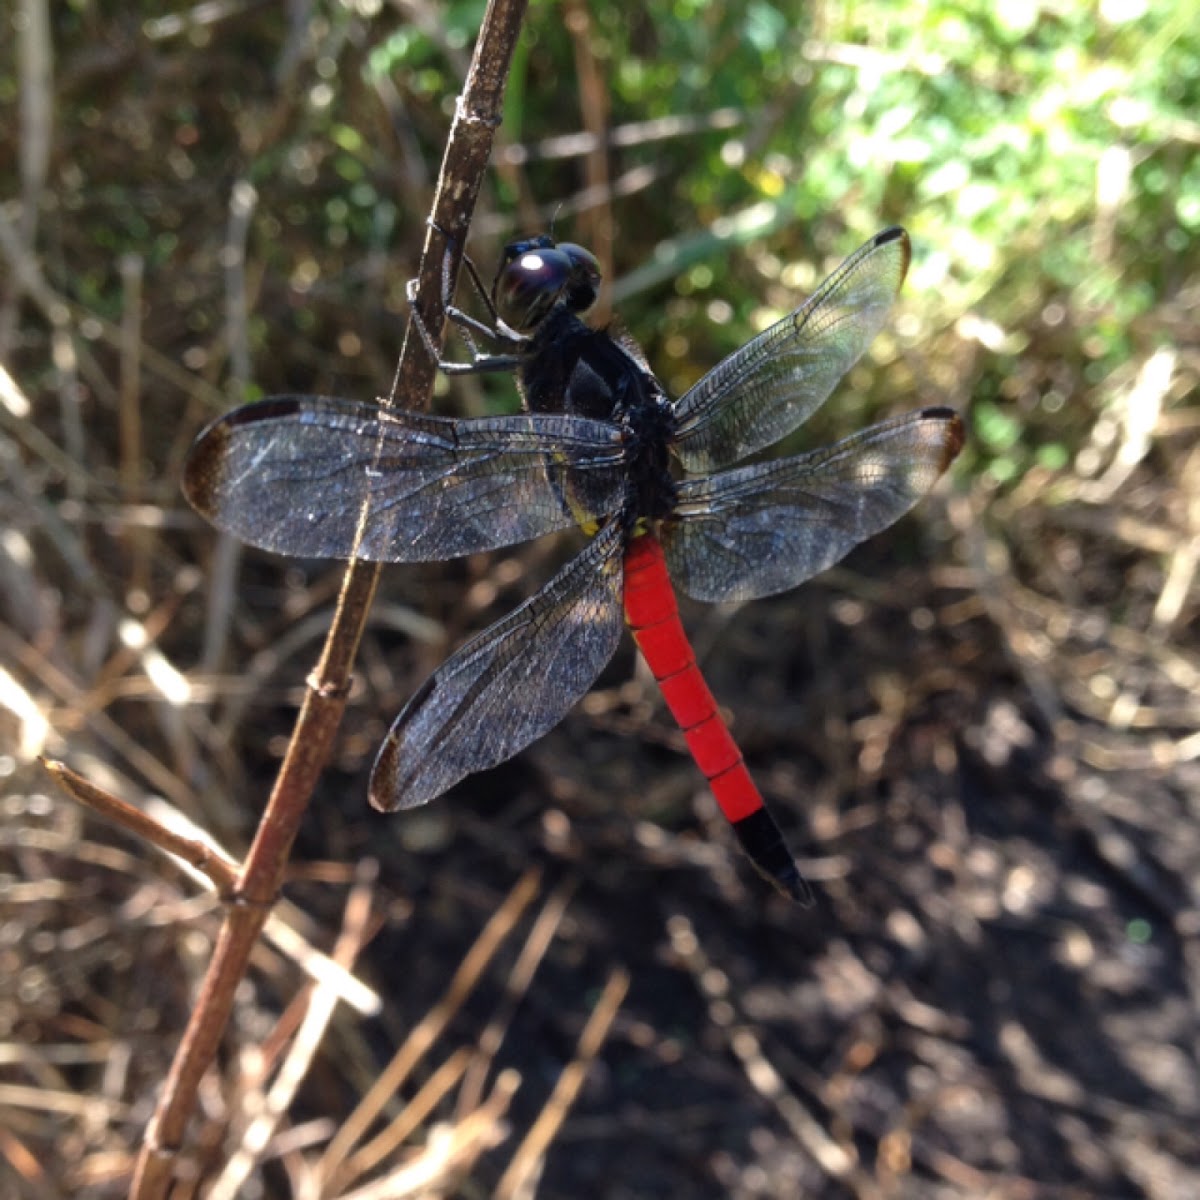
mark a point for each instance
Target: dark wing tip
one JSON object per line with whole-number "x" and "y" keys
{"x": 202, "y": 470}
{"x": 206, "y": 459}
{"x": 894, "y": 233}
{"x": 272, "y": 408}
{"x": 954, "y": 435}
{"x": 389, "y": 790}
{"x": 382, "y": 791}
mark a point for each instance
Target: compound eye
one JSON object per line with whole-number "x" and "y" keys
{"x": 583, "y": 282}
{"x": 531, "y": 279}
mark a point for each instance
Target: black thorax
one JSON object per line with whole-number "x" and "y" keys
{"x": 570, "y": 367}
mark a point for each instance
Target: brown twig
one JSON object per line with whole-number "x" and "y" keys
{"x": 409, "y": 1119}
{"x": 129, "y": 422}
{"x": 334, "y": 1168}
{"x": 531, "y": 1152}
{"x": 594, "y": 104}
{"x": 468, "y": 148}
{"x": 453, "y": 1154}
{"x": 220, "y": 870}
{"x": 515, "y": 989}
{"x": 269, "y": 1105}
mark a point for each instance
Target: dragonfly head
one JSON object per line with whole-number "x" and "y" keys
{"x": 535, "y": 274}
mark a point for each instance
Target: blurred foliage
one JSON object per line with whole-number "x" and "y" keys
{"x": 1043, "y": 156}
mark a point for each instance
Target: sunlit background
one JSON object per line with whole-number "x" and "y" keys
{"x": 981, "y": 732}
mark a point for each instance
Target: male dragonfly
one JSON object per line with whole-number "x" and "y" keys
{"x": 600, "y": 446}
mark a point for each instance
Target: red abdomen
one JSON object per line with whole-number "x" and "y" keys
{"x": 653, "y": 616}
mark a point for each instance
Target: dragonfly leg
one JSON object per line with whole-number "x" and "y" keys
{"x": 481, "y": 362}
{"x": 468, "y": 327}
{"x": 477, "y": 281}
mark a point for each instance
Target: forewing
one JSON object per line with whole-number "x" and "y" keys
{"x": 765, "y": 528}
{"x": 777, "y": 381}
{"x": 292, "y": 474}
{"x": 508, "y": 686}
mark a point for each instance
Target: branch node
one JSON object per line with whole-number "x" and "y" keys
{"x": 474, "y": 117}
{"x": 328, "y": 689}
{"x": 234, "y": 897}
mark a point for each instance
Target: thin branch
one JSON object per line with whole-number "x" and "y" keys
{"x": 213, "y": 865}
{"x": 477, "y": 115}
{"x": 424, "y": 1034}
{"x": 532, "y": 1150}
{"x": 204, "y": 860}
{"x": 273, "y": 1104}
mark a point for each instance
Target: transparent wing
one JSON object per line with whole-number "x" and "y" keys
{"x": 292, "y": 474}
{"x": 777, "y": 381}
{"x": 765, "y": 528}
{"x": 508, "y": 686}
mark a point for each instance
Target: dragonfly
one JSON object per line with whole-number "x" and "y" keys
{"x": 660, "y": 486}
